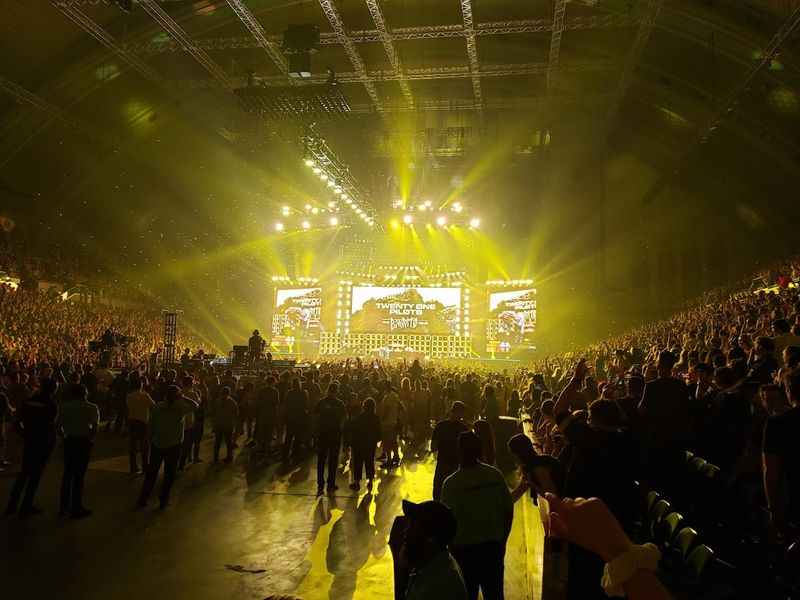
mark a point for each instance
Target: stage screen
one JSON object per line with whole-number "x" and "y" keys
{"x": 297, "y": 312}
{"x": 420, "y": 310}
{"x": 512, "y": 318}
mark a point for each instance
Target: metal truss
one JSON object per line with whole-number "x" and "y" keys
{"x": 431, "y": 73}
{"x": 633, "y": 58}
{"x": 52, "y": 112}
{"x": 424, "y": 32}
{"x": 177, "y": 32}
{"x": 500, "y": 104}
{"x": 559, "y": 13}
{"x": 391, "y": 53}
{"x": 83, "y": 21}
{"x": 472, "y": 50}
{"x": 259, "y": 35}
{"x": 335, "y": 19}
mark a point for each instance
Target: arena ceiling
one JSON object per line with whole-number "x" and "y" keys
{"x": 128, "y": 121}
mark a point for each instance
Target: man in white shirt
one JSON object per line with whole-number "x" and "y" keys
{"x": 484, "y": 510}
{"x": 139, "y": 405}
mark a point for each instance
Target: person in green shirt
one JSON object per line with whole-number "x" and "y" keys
{"x": 166, "y": 431}
{"x": 479, "y": 498}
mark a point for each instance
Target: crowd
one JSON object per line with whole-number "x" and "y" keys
{"x": 719, "y": 380}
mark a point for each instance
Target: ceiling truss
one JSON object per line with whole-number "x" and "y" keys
{"x": 259, "y": 35}
{"x": 391, "y": 52}
{"x": 559, "y": 14}
{"x": 335, "y": 19}
{"x": 472, "y": 50}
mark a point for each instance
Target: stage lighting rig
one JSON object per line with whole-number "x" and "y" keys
{"x": 299, "y": 42}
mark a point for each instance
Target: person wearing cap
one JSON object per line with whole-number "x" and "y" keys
{"x": 78, "y": 421}
{"x": 444, "y": 441}
{"x": 432, "y": 572}
{"x": 478, "y": 495}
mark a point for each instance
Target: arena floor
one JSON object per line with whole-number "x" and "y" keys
{"x": 230, "y": 532}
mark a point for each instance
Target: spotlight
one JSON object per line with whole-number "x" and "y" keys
{"x": 324, "y": 177}
{"x": 315, "y": 211}
{"x": 441, "y": 221}
{"x": 475, "y": 223}
{"x": 457, "y": 207}
{"x": 394, "y": 224}
{"x": 428, "y": 203}
{"x": 348, "y": 200}
{"x": 285, "y": 210}
{"x": 317, "y": 170}
{"x": 408, "y": 219}
{"x": 308, "y": 207}
{"x": 309, "y": 162}
{"x": 278, "y": 226}
{"x": 422, "y": 207}
{"x": 306, "y": 225}
{"x": 334, "y": 221}
{"x": 331, "y": 204}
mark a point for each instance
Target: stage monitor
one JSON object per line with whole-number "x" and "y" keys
{"x": 418, "y": 310}
{"x": 297, "y": 312}
{"x": 511, "y": 320}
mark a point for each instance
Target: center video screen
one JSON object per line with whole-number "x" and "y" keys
{"x": 297, "y": 312}
{"x": 422, "y": 310}
{"x": 512, "y": 316}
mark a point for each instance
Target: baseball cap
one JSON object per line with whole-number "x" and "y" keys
{"x": 435, "y": 518}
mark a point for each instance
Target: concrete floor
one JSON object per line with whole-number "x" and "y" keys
{"x": 223, "y": 522}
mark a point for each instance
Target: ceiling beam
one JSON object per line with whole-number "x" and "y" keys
{"x": 335, "y": 19}
{"x": 83, "y": 21}
{"x": 180, "y": 36}
{"x": 634, "y": 56}
{"x": 259, "y": 35}
{"x": 472, "y": 50}
{"x": 559, "y": 14}
{"x": 423, "y": 32}
{"x": 391, "y": 52}
{"x": 428, "y": 73}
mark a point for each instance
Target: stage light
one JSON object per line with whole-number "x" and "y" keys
{"x": 428, "y": 203}
{"x": 457, "y": 207}
{"x": 324, "y": 177}
{"x": 331, "y": 204}
{"x": 317, "y": 170}
{"x": 278, "y": 226}
{"x": 285, "y": 210}
{"x": 422, "y": 207}
{"x": 309, "y": 162}
{"x": 345, "y": 197}
{"x": 348, "y": 200}
{"x": 331, "y": 183}
{"x": 315, "y": 211}
{"x": 306, "y": 225}
{"x": 307, "y": 207}
{"x": 474, "y": 223}
{"x": 394, "y": 224}
{"x": 441, "y": 221}
{"x": 337, "y": 190}
{"x": 334, "y": 221}
{"x": 408, "y": 219}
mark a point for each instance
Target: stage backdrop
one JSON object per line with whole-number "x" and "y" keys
{"x": 297, "y": 312}
{"x": 420, "y": 310}
{"x": 512, "y": 319}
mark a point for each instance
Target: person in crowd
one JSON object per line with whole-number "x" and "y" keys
{"x": 425, "y": 568}
{"x": 483, "y": 429}
{"x": 191, "y": 396}
{"x": 540, "y": 474}
{"x": 78, "y": 421}
{"x": 198, "y": 430}
{"x": 366, "y": 433}
{"x": 514, "y": 404}
{"x": 781, "y": 464}
{"x": 166, "y": 439}
{"x": 296, "y": 420}
{"x": 226, "y": 416}
{"x": 6, "y": 415}
{"x": 490, "y": 406}
{"x": 139, "y": 404}
{"x": 266, "y": 415}
{"x": 783, "y": 338}
{"x": 763, "y": 364}
{"x": 484, "y": 510}
{"x": 329, "y": 415}
{"x": 36, "y": 418}
{"x": 665, "y": 419}
{"x": 444, "y": 442}
{"x": 391, "y": 415}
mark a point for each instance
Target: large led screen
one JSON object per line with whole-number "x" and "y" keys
{"x": 297, "y": 312}
{"x": 420, "y": 310}
{"x": 512, "y": 316}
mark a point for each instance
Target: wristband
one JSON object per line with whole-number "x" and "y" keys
{"x": 620, "y": 570}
